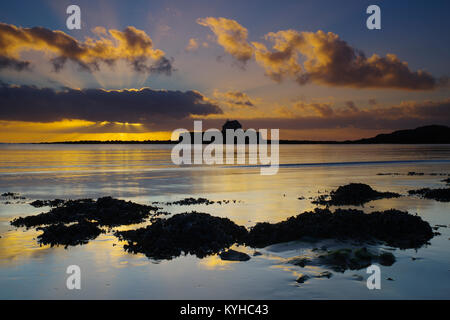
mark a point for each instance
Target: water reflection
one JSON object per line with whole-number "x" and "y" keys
{"x": 144, "y": 174}
{"x": 19, "y": 246}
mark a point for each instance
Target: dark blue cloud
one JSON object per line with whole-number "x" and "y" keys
{"x": 29, "y": 103}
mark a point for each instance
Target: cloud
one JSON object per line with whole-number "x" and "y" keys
{"x": 131, "y": 45}
{"x": 234, "y": 99}
{"x": 283, "y": 61}
{"x": 351, "y": 105}
{"x": 231, "y": 36}
{"x": 320, "y": 109}
{"x": 331, "y": 61}
{"x": 29, "y": 103}
{"x": 319, "y": 57}
{"x": 343, "y": 122}
{"x": 408, "y": 114}
{"x": 15, "y": 64}
{"x": 192, "y": 45}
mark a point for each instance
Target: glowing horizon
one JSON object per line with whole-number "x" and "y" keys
{"x": 138, "y": 76}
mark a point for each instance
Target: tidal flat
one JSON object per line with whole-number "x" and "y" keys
{"x": 151, "y": 191}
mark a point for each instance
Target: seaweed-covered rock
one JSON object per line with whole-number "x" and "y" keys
{"x": 442, "y": 195}
{"x": 386, "y": 259}
{"x": 345, "y": 258}
{"x": 324, "y": 274}
{"x": 302, "y": 262}
{"x": 354, "y": 259}
{"x": 394, "y": 227}
{"x": 72, "y": 235}
{"x": 195, "y": 201}
{"x": 303, "y": 278}
{"x": 194, "y": 233}
{"x": 413, "y": 173}
{"x": 191, "y": 201}
{"x": 353, "y": 194}
{"x": 106, "y": 211}
{"x": 232, "y": 255}
{"x": 47, "y": 203}
{"x": 12, "y": 196}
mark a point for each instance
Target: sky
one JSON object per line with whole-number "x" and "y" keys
{"x": 138, "y": 70}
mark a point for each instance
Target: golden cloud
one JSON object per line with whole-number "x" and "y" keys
{"x": 231, "y": 36}
{"x": 283, "y": 61}
{"x": 131, "y": 45}
{"x": 331, "y": 61}
{"x": 233, "y": 99}
{"x": 320, "y": 109}
{"x": 192, "y": 45}
{"x": 327, "y": 114}
{"x": 318, "y": 57}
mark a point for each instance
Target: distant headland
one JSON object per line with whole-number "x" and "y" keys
{"x": 432, "y": 134}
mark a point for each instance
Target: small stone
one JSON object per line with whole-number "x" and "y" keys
{"x": 299, "y": 262}
{"x": 357, "y": 277}
{"x": 232, "y": 255}
{"x": 387, "y": 259}
{"x": 363, "y": 253}
{"x": 302, "y": 278}
{"x": 325, "y": 274}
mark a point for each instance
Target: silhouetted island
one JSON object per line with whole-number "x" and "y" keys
{"x": 429, "y": 135}
{"x": 433, "y": 134}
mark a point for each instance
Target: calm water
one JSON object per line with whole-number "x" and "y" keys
{"x": 145, "y": 173}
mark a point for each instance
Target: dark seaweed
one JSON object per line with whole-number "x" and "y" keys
{"x": 394, "y": 227}
{"x": 72, "y": 235}
{"x": 190, "y": 233}
{"x": 106, "y": 211}
{"x": 353, "y": 194}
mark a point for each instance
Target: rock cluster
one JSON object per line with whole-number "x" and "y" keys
{"x": 106, "y": 211}
{"x": 344, "y": 259}
{"x": 442, "y": 195}
{"x": 355, "y": 194}
{"x": 47, "y": 203}
{"x": 74, "y": 222}
{"x": 12, "y": 195}
{"x": 394, "y": 227}
{"x": 72, "y": 235}
{"x": 194, "y": 233}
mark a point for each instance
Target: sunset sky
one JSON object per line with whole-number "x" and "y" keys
{"x": 139, "y": 69}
